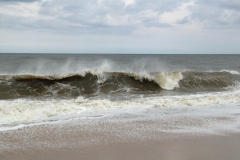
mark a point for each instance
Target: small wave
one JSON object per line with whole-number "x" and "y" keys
{"x": 208, "y": 81}
{"x": 231, "y": 71}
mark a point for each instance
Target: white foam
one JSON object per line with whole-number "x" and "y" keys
{"x": 24, "y": 110}
{"x": 231, "y": 71}
{"x": 167, "y": 81}
{"x": 30, "y": 110}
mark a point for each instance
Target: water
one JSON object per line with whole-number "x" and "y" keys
{"x": 36, "y": 88}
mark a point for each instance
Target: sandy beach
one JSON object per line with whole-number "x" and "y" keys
{"x": 118, "y": 140}
{"x": 213, "y": 148}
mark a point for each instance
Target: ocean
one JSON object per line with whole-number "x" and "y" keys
{"x": 38, "y": 89}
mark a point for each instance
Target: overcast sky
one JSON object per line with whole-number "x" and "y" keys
{"x": 120, "y": 26}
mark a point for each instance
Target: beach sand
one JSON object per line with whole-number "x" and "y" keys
{"x": 119, "y": 140}
{"x": 214, "y": 148}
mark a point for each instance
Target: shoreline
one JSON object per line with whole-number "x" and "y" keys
{"x": 131, "y": 139}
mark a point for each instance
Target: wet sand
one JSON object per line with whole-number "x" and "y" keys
{"x": 212, "y": 148}
{"x": 118, "y": 140}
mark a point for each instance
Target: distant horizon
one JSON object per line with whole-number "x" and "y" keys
{"x": 134, "y": 53}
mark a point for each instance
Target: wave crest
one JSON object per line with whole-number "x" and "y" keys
{"x": 167, "y": 81}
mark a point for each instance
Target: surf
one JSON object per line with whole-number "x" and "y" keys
{"x": 29, "y": 110}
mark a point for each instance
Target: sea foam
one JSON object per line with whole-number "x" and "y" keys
{"x": 26, "y": 110}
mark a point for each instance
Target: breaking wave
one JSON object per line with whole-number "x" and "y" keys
{"x": 88, "y": 83}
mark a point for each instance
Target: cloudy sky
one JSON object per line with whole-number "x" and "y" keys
{"x": 120, "y": 26}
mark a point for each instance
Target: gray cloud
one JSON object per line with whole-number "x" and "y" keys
{"x": 109, "y": 25}
{"x": 183, "y": 21}
{"x": 25, "y": 1}
{"x": 109, "y": 13}
{"x": 233, "y": 4}
{"x": 217, "y": 13}
{"x": 111, "y": 16}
